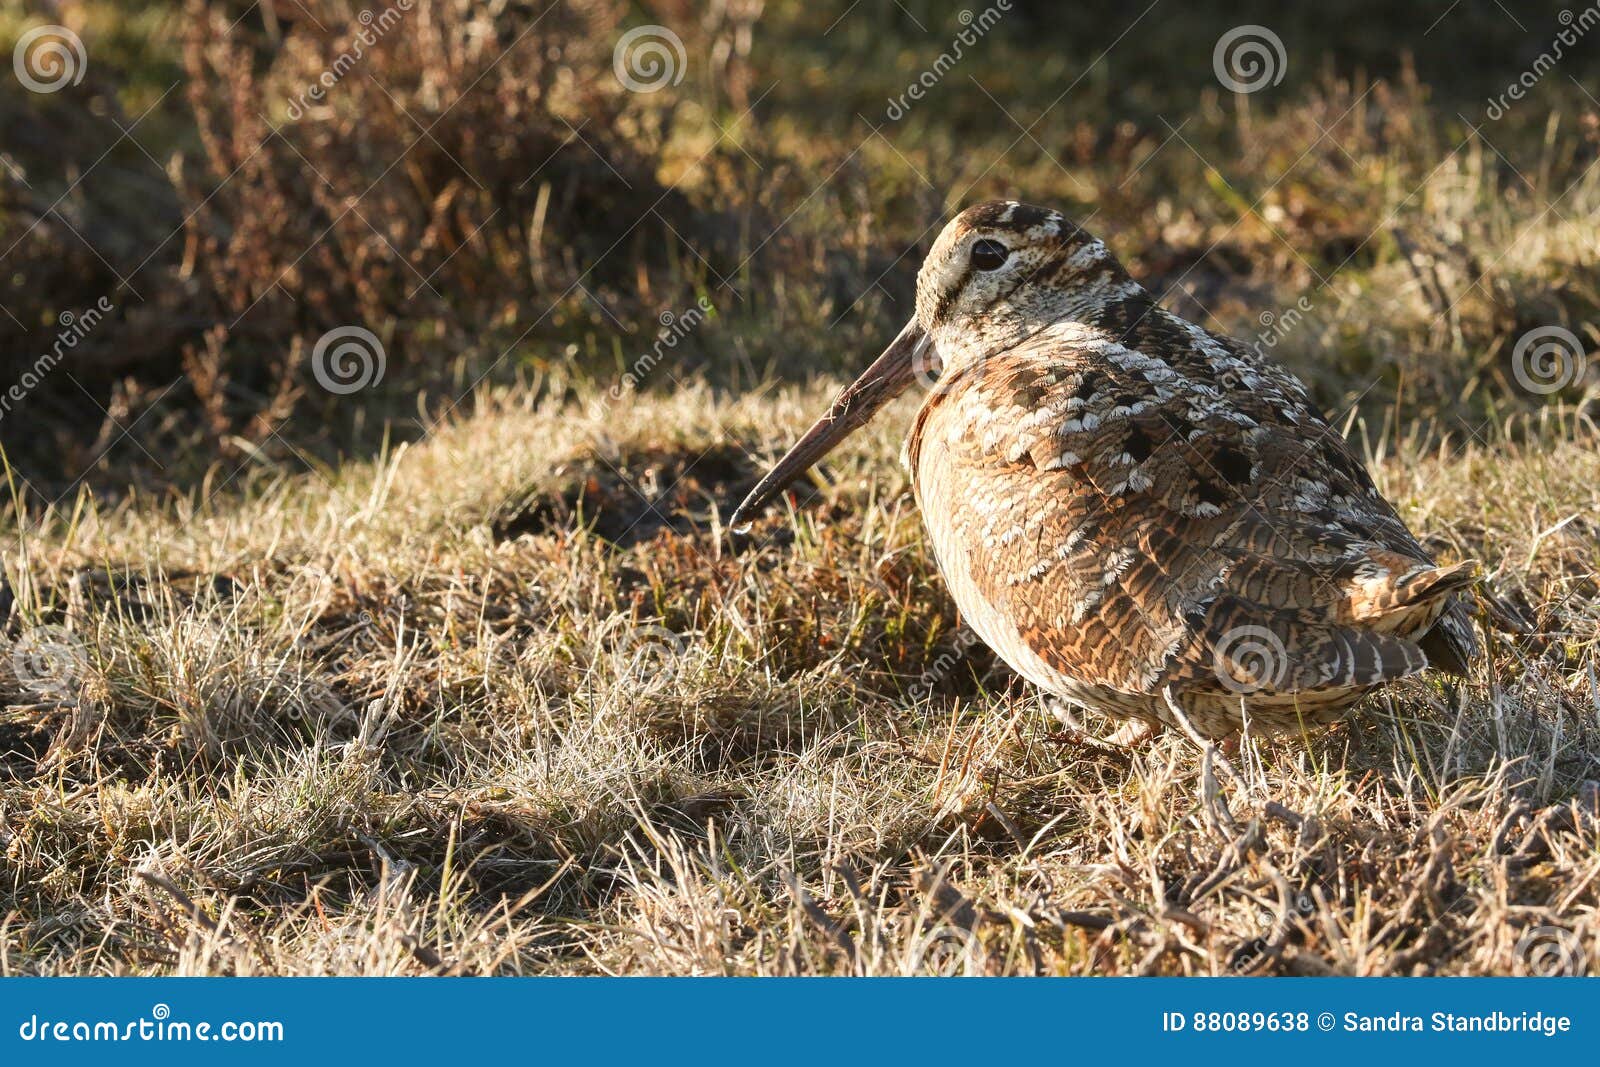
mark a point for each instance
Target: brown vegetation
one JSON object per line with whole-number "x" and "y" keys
{"x": 462, "y": 672}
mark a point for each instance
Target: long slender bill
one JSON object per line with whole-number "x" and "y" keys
{"x": 880, "y": 383}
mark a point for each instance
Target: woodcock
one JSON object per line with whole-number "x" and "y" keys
{"x": 1139, "y": 515}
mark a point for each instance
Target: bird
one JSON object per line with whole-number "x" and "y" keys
{"x": 1140, "y": 516}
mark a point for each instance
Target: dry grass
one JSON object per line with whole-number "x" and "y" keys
{"x": 409, "y": 716}
{"x": 475, "y": 681}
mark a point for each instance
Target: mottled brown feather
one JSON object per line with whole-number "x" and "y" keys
{"x": 1125, "y": 504}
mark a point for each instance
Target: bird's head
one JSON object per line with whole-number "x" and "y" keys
{"x": 998, "y": 273}
{"x": 1001, "y": 271}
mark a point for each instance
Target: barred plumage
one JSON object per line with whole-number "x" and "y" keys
{"x": 1137, "y": 514}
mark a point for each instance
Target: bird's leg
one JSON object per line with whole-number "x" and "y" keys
{"x": 1062, "y": 711}
{"x": 1181, "y": 718}
{"x": 1133, "y": 734}
{"x": 1211, "y": 794}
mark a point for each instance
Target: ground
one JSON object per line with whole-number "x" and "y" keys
{"x": 465, "y": 674}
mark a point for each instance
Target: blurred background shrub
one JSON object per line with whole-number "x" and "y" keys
{"x": 477, "y": 186}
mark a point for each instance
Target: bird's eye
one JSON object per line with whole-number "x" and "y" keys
{"x": 989, "y": 255}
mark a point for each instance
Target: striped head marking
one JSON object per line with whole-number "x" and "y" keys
{"x": 1000, "y": 271}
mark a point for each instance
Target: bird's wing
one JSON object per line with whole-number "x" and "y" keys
{"x": 1185, "y": 518}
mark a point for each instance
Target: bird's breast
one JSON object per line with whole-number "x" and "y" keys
{"x": 972, "y": 523}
